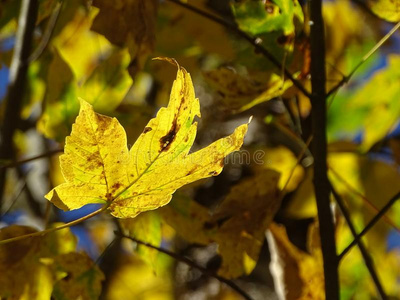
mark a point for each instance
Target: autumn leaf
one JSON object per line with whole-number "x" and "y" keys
{"x": 237, "y": 226}
{"x": 240, "y": 93}
{"x": 81, "y": 277}
{"x": 297, "y": 274}
{"x": 44, "y": 267}
{"x": 388, "y": 10}
{"x": 99, "y": 168}
{"x": 259, "y": 17}
{"x": 147, "y": 228}
{"x": 136, "y": 22}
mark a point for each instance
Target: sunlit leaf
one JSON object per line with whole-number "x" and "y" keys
{"x": 99, "y": 168}
{"x": 258, "y": 17}
{"x": 388, "y": 10}
{"x": 369, "y": 110}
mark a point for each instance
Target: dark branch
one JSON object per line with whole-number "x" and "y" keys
{"x": 371, "y": 224}
{"x": 51, "y": 25}
{"x": 321, "y": 183}
{"x": 367, "y": 258}
{"x": 17, "y": 80}
{"x": 191, "y": 264}
{"x": 252, "y": 40}
{"x": 24, "y": 161}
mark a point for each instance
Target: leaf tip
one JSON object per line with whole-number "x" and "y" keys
{"x": 172, "y": 61}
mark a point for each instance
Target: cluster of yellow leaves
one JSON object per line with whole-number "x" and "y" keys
{"x": 99, "y": 168}
{"x": 41, "y": 268}
{"x": 81, "y": 63}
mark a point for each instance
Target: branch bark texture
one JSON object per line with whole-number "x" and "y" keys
{"x": 17, "y": 81}
{"x": 321, "y": 183}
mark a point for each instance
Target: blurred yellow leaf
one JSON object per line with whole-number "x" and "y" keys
{"x": 388, "y": 10}
{"x": 237, "y": 226}
{"x": 240, "y": 93}
{"x": 99, "y": 168}
{"x": 105, "y": 88}
{"x": 241, "y": 220}
{"x": 79, "y": 47}
{"x": 129, "y": 23}
{"x": 82, "y": 277}
{"x": 302, "y": 203}
{"x": 30, "y": 268}
{"x": 187, "y": 217}
{"x": 302, "y": 274}
{"x": 147, "y": 228}
{"x": 135, "y": 279}
{"x": 282, "y": 160}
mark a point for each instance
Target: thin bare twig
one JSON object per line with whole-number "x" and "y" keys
{"x": 299, "y": 158}
{"x": 13, "y": 201}
{"x": 24, "y": 161}
{"x": 371, "y": 224}
{"x": 346, "y": 79}
{"x": 190, "y": 263}
{"x": 367, "y": 258}
{"x": 365, "y": 199}
{"x": 33, "y": 203}
{"x": 48, "y": 33}
{"x": 252, "y": 40}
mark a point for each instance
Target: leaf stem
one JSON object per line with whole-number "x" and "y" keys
{"x": 50, "y": 230}
{"x": 252, "y": 40}
{"x": 190, "y": 263}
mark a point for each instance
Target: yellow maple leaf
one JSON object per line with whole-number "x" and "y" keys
{"x": 99, "y": 168}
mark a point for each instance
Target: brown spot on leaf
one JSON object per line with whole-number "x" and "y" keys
{"x": 284, "y": 40}
{"x": 147, "y": 129}
{"x": 116, "y": 186}
{"x": 166, "y": 140}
